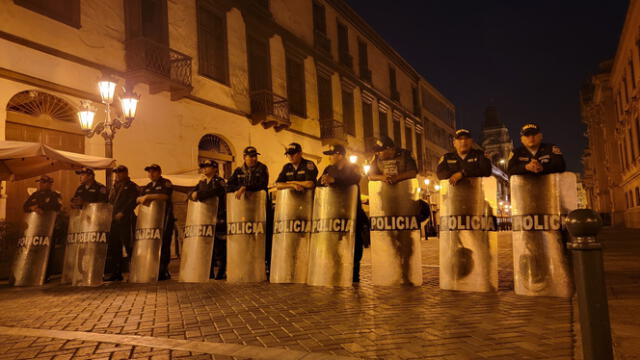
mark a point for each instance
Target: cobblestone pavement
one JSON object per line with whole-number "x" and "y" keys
{"x": 297, "y": 320}
{"x": 622, "y": 270}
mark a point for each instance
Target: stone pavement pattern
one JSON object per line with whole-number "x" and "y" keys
{"x": 363, "y": 321}
{"x": 622, "y": 269}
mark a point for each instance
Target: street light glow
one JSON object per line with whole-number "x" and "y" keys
{"x": 437, "y": 187}
{"x": 86, "y": 115}
{"x": 501, "y": 161}
{"x": 427, "y": 182}
{"x": 107, "y": 89}
{"x": 129, "y": 104}
{"x": 366, "y": 168}
{"x": 353, "y": 159}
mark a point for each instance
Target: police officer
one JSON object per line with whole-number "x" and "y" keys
{"x": 211, "y": 186}
{"x": 254, "y": 176}
{"x": 342, "y": 173}
{"x": 43, "y": 199}
{"x": 391, "y": 164}
{"x": 122, "y": 197}
{"x": 464, "y": 162}
{"x": 535, "y": 157}
{"x": 89, "y": 191}
{"x": 160, "y": 189}
{"x": 299, "y": 173}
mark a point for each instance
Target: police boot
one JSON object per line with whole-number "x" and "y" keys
{"x": 164, "y": 275}
{"x": 114, "y": 277}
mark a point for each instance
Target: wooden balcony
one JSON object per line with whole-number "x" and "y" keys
{"x": 164, "y": 69}
{"x": 332, "y": 132}
{"x": 270, "y": 110}
{"x": 322, "y": 42}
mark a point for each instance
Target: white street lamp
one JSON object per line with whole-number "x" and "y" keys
{"x": 86, "y": 114}
{"x": 353, "y": 159}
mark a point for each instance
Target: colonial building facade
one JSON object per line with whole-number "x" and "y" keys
{"x": 611, "y": 110}
{"x": 214, "y": 76}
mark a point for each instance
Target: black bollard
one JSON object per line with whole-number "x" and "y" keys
{"x": 588, "y": 270}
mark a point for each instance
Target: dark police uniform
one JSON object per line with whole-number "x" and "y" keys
{"x": 206, "y": 189}
{"x": 163, "y": 186}
{"x": 123, "y": 197}
{"x": 402, "y": 161}
{"x": 306, "y": 171}
{"x": 253, "y": 178}
{"x": 47, "y": 200}
{"x": 548, "y": 155}
{"x": 93, "y": 193}
{"x": 347, "y": 176}
{"x": 475, "y": 164}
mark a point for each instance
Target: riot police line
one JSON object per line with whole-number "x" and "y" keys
{"x": 316, "y": 233}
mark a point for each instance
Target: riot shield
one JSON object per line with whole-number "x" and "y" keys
{"x": 91, "y": 243}
{"x": 145, "y": 257}
{"x": 71, "y": 246}
{"x": 395, "y": 233}
{"x": 468, "y": 237}
{"x": 32, "y": 253}
{"x": 197, "y": 246}
{"x": 291, "y": 234}
{"x": 246, "y": 226}
{"x": 539, "y": 204}
{"x": 332, "y": 236}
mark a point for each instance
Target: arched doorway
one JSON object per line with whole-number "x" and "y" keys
{"x": 213, "y": 147}
{"x": 37, "y": 116}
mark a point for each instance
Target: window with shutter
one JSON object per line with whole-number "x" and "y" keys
{"x": 325, "y": 102}
{"x": 295, "y": 87}
{"x": 348, "y": 112}
{"x": 66, "y": 12}
{"x": 212, "y": 44}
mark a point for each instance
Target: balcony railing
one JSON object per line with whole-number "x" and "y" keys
{"x": 322, "y": 42}
{"x": 395, "y": 95}
{"x": 332, "y": 131}
{"x": 269, "y": 110}
{"x": 159, "y": 66}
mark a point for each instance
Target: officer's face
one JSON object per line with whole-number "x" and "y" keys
{"x": 251, "y": 160}
{"x": 121, "y": 175}
{"x": 209, "y": 171}
{"x": 86, "y": 178}
{"x": 386, "y": 154}
{"x": 42, "y": 185}
{"x": 531, "y": 141}
{"x": 463, "y": 145}
{"x": 154, "y": 175}
{"x": 335, "y": 158}
{"x": 294, "y": 158}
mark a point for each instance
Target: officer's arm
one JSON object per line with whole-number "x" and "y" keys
{"x": 480, "y": 168}
{"x": 318, "y": 180}
{"x": 515, "y": 166}
{"x": 28, "y": 204}
{"x": 130, "y": 199}
{"x": 103, "y": 195}
{"x": 164, "y": 194}
{"x": 193, "y": 190}
{"x": 310, "y": 178}
{"x": 443, "y": 171}
{"x": 349, "y": 176}
{"x": 411, "y": 171}
{"x": 232, "y": 184}
{"x": 374, "y": 171}
{"x": 556, "y": 162}
{"x": 209, "y": 192}
{"x": 262, "y": 183}
{"x": 53, "y": 204}
{"x": 281, "y": 181}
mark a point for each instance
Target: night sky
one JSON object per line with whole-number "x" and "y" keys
{"x": 527, "y": 58}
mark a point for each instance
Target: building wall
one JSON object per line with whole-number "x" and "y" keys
{"x": 39, "y": 53}
{"x": 625, "y": 134}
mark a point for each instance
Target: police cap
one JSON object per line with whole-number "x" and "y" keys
{"x": 250, "y": 151}
{"x": 85, "y": 170}
{"x": 120, "y": 169}
{"x": 530, "y": 129}
{"x": 293, "y": 148}
{"x": 45, "y": 179}
{"x": 460, "y": 133}
{"x": 208, "y": 163}
{"x": 384, "y": 142}
{"x": 153, "y": 167}
{"x": 335, "y": 149}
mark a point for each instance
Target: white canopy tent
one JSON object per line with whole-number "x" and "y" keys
{"x": 21, "y": 160}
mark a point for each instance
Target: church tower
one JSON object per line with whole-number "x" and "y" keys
{"x": 496, "y": 141}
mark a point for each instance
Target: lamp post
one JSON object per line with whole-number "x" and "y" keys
{"x": 107, "y": 128}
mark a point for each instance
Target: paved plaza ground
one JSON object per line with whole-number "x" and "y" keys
{"x": 267, "y": 321}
